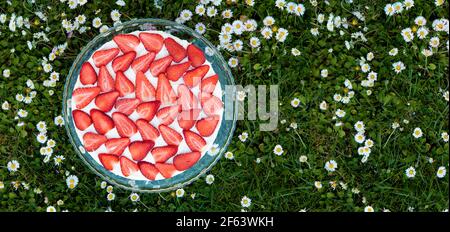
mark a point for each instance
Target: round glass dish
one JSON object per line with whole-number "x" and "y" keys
{"x": 226, "y": 128}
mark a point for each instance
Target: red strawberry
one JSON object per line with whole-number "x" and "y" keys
{"x": 123, "y": 84}
{"x": 161, "y": 154}
{"x": 211, "y": 104}
{"x": 171, "y": 136}
{"x": 108, "y": 160}
{"x": 127, "y": 105}
{"x": 121, "y": 63}
{"x": 144, "y": 89}
{"x": 105, "y": 101}
{"x": 164, "y": 91}
{"x": 103, "y": 57}
{"x": 152, "y": 42}
{"x": 147, "y": 130}
{"x": 88, "y": 76}
{"x": 175, "y": 49}
{"x": 116, "y": 146}
{"x": 193, "y": 77}
{"x": 126, "y": 42}
{"x": 195, "y": 55}
{"x": 166, "y": 170}
{"x": 140, "y": 149}
{"x": 93, "y": 141}
{"x": 186, "y": 98}
{"x": 206, "y": 126}
{"x": 147, "y": 110}
{"x": 142, "y": 63}
{"x": 148, "y": 170}
{"x": 168, "y": 114}
{"x": 160, "y": 65}
{"x": 84, "y": 96}
{"x": 194, "y": 141}
{"x": 81, "y": 119}
{"x": 127, "y": 166}
{"x": 186, "y": 160}
{"x": 105, "y": 80}
{"x": 187, "y": 118}
{"x": 209, "y": 84}
{"x": 102, "y": 122}
{"x": 125, "y": 126}
{"x": 174, "y": 72}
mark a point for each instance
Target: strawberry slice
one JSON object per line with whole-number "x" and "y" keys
{"x": 81, "y": 119}
{"x": 144, "y": 89}
{"x": 193, "y": 77}
{"x": 147, "y": 110}
{"x": 103, "y": 57}
{"x": 125, "y": 126}
{"x": 126, "y": 42}
{"x": 207, "y": 126}
{"x": 162, "y": 154}
{"x": 175, "y": 49}
{"x": 160, "y": 65}
{"x": 142, "y": 63}
{"x": 164, "y": 91}
{"x": 93, "y": 141}
{"x": 102, "y": 122}
{"x": 186, "y": 160}
{"x": 123, "y": 84}
{"x": 171, "y": 136}
{"x": 127, "y": 105}
{"x": 108, "y": 160}
{"x": 166, "y": 170}
{"x": 105, "y": 101}
{"x": 168, "y": 114}
{"x": 187, "y": 118}
{"x": 186, "y": 98}
{"x": 174, "y": 72}
{"x": 209, "y": 84}
{"x": 140, "y": 149}
{"x": 148, "y": 170}
{"x": 195, "y": 55}
{"x": 151, "y": 41}
{"x": 116, "y": 146}
{"x": 211, "y": 104}
{"x": 88, "y": 76}
{"x": 194, "y": 141}
{"x": 84, "y": 96}
{"x": 105, "y": 80}
{"x": 147, "y": 130}
{"x": 127, "y": 166}
{"x": 121, "y": 63}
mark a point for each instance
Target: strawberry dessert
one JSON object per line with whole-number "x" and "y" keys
{"x": 147, "y": 105}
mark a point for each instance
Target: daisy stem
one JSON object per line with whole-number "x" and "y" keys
{"x": 388, "y": 138}
{"x": 301, "y": 140}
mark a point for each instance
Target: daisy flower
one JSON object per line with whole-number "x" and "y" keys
{"x": 96, "y": 22}
{"x": 72, "y": 181}
{"x": 408, "y": 4}
{"x": 434, "y": 42}
{"x": 179, "y": 192}
{"x": 278, "y": 150}
{"x": 359, "y": 126}
{"x": 229, "y": 155}
{"x": 227, "y": 14}
{"x": 115, "y": 15}
{"x": 295, "y": 52}
{"x": 238, "y": 27}
{"x": 393, "y": 52}
{"x": 200, "y": 9}
{"x": 246, "y": 202}
{"x": 417, "y": 133}
{"x": 134, "y": 197}
{"x": 13, "y": 166}
{"x": 314, "y": 31}
{"x": 331, "y": 166}
{"x": 407, "y": 34}
{"x": 209, "y": 179}
{"x": 324, "y": 73}
{"x": 410, "y": 172}
{"x": 360, "y": 137}
{"x": 441, "y": 172}
{"x": 398, "y": 7}
{"x": 295, "y": 102}
{"x": 238, "y": 44}
{"x": 444, "y": 136}
{"x": 300, "y": 10}
{"x": 318, "y": 184}
{"x": 268, "y": 21}
{"x": 211, "y": 11}
{"x": 200, "y": 28}
{"x": 323, "y": 105}
{"x": 254, "y": 42}
{"x": 280, "y": 4}
{"x": 5, "y": 105}
{"x": 266, "y": 32}
{"x": 51, "y": 209}
{"x": 111, "y": 196}
{"x": 420, "y": 21}
{"x": 369, "y": 209}
{"x": 340, "y": 113}
{"x": 398, "y": 67}
{"x": 291, "y": 7}
{"x": 243, "y": 137}
{"x": 337, "y": 97}
{"x": 281, "y": 34}
{"x": 233, "y": 62}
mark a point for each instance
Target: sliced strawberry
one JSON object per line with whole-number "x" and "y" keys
{"x": 144, "y": 89}
{"x": 140, "y": 149}
{"x": 171, "y": 136}
{"x": 126, "y": 42}
{"x": 105, "y": 101}
{"x": 121, "y": 63}
{"x": 174, "y": 72}
{"x": 186, "y": 160}
{"x": 148, "y": 170}
{"x": 211, "y": 104}
{"x": 175, "y": 49}
{"x": 127, "y": 166}
{"x": 116, "y": 146}
{"x": 187, "y": 118}
{"x": 194, "y": 141}
{"x": 164, "y": 91}
{"x": 127, "y": 105}
{"x": 186, "y": 98}
{"x": 209, "y": 84}
{"x": 152, "y": 42}
{"x": 142, "y": 63}
{"x": 193, "y": 77}
{"x": 84, "y": 96}
{"x": 162, "y": 154}
{"x": 147, "y": 110}
{"x": 103, "y": 57}
{"x": 125, "y": 126}
{"x": 195, "y": 55}
{"x": 147, "y": 130}
{"x": 166, "y": 170}
{"x": 206, "y": 126}
{"x": 88, "y": 76}
{"x": 108, "y": 160}
{"x": 102, "y": 122}
{"x": 168, "y": 114}
{"x": 123, "y": 84}
{"x": 160, "y": 65}
{"x": 93, "y": 141}
{"x": 81, "y": 119}
{"x": 105, "y": 80}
